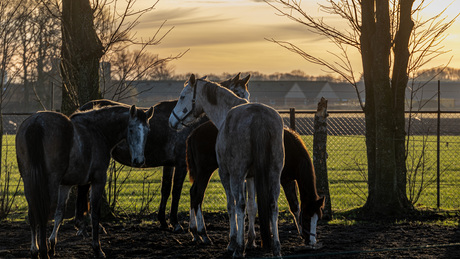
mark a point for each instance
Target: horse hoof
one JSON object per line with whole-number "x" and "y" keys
{"x": 99, "y": 254}
{"x": 251, "y": 245}
{"x": 164, "y": 226}
{"x": 82, "y": 233}
{"x": 51, "y": 252}
{"x": 178, "y": 229}
{"x": 207, "y": 240}
{"x": 239, "y": 253}
{"x": 277, "y": 249}
{"x": 232, "y": 245}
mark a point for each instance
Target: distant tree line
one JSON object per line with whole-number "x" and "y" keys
{"x": 439, "y": 73}
{"x": 298, "y": 75}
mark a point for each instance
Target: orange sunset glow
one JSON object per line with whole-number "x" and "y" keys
{"x": 230, "y": 36}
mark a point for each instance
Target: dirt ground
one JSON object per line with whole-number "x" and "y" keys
{"x": 138, "y": 238}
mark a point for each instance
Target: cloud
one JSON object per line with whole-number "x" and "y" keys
{"x": 181, "y": 16}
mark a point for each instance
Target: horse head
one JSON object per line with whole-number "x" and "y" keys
{"x": 138, "y": 129}
{"x": 238, "y": 86}
{"x": 185, "y": 112}
{"x": 310, "y": 213}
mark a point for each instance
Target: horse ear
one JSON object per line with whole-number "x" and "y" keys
{"x": 192, "y": 80}
{"x": 236, "y": 78}
{"x": 203, "y": 77}
{"x": 246, "y": 80}
{"x": 133, "y": 111}
{"x": 149, "y": 113}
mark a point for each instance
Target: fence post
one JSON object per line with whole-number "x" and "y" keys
{"x": 292, "y": 118}
{"x": 320, "y": 155}
{"x": 438, "y": 176}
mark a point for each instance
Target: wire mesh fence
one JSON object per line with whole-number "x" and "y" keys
{"x": 138, "y": 191}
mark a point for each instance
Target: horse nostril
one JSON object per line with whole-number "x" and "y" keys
{"x": 137, "y": 162}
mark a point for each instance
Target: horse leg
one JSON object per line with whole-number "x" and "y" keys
{"x": 81, "y": 209}
{"x": 252, "y": 211}
{"x": 33, "y": 234}
{"x": 237, "y": 183}
{"x": 194, "y": 207}
{"x": 59, "y": 215}
{"x": 290, "y": 191}
{"x": 179, "y": 177}
{"x": 43, "y": 242}
{"x": 96, "y": 197}
{"x": 274, "y": 211}
{"x": 166, "y": 183}
{"x": 225, "y": 179}
{"x": 197, "y": 199}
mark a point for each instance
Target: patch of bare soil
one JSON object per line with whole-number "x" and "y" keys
{"x": 137, "y": 239}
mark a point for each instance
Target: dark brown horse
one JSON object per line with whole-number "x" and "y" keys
{"x": 165, "y": 147}
{"x": 55, "y": 152}
{"x": 298, "y": 172}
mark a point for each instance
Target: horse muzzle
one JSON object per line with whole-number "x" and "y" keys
{"x": 136, "y": 162}
{"x": 173, "y": 122}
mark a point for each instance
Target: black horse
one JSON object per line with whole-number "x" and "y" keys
{"x": 55, "y": 152}
{"x": 165, "y": 147}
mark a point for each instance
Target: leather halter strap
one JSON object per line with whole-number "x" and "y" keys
{"x": 181, "y": 121}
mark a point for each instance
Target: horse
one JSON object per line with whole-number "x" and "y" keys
{"x": 249, "y": 145}
{"x": 55, "y": 152}
{"x": 298, "y": 173}
{"x": 165, "y": 147}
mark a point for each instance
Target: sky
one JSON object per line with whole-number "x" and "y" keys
{"x": 230, "y": 36}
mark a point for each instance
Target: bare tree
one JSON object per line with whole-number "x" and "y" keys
{"x": 11, "y": 20}
{"x": 130, "y": 67}
{"x": 92, "y": 31}
{"x": 392, "y": 47}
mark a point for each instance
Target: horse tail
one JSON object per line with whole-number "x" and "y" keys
{"x": 261, "y": 149}
{"x": 191, "y": 165}
{"x": 39, "y": 200}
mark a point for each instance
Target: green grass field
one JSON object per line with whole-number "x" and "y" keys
{"x": 139, "y": 190}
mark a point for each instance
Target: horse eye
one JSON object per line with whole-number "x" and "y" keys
{"x": 185, "y": 110}
{"x": 182, "y": 97}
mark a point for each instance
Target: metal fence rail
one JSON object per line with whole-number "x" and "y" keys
{"x": 138, "y": 191}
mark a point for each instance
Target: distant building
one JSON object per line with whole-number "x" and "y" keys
{"x": 298, "y": 94}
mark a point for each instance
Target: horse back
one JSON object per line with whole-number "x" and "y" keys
{"x": 298, "y": 163}
{"x": 53, "y": 131}
{"x": 252, "y": 117}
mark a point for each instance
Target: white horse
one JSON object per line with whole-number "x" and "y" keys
{"x": 249, "y": 145}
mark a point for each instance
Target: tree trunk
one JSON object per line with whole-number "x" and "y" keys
{"x": 399, "y": 83}
{"x": 383, "y": 111}
{"x": 320, "y": 156}
{"x": 81, "y": 53}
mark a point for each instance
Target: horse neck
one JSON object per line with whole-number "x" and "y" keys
{"x": 225, "y": 100}
{"x": 306, "y": 180}
{"x": 109, "y": 123}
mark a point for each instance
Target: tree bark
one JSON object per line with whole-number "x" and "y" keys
{"x": 81, "y": 53}
{"x": 320, "y": 156}
{"x": 384, "y": 111}
{"x": 399, "y": 82}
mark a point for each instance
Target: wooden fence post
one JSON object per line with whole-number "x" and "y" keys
{"x": 320, "y": 155}
{"x": 292, "y": 118}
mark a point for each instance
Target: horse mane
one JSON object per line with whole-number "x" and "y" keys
{"x": 96, "y": 111}
{"x": 211, "y": 89}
